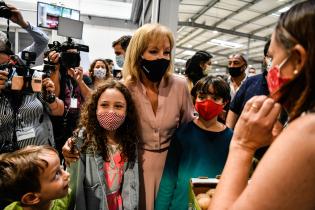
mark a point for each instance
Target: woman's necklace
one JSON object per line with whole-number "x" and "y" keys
{"x": 112, "y": 149}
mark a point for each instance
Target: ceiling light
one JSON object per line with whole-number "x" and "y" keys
{"x": 215, "y": 62}
{"x": 284, "y": 9}
{"x": 189, "y": 45}
{"x": 181, "y": 29}
{"x": 178, "y": 60}
{"x": 189, "y": 52}
{"x": 275, "y": 14}
{"x": 217, "y": 69}
{"x": 225, "y": 43}
{"x": 215, "y": 32}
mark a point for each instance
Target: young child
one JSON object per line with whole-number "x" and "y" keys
{"x": 199, "y": 148}
{"x": 106, "y": 175}
{"x": 31, "y": 178}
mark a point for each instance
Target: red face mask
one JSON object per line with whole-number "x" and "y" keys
{"x": 274, "y": 80}
{"x": 208, "y": 109}
{"x": 110, "y": 120}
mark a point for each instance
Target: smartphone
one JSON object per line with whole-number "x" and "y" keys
{"x": 78, "y": 139}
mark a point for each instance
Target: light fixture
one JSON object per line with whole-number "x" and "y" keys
{"x": 179, "y": 60}
{"x": 215, "y": 62}
{"x": 284, "y": 9}
{"x": 189, "y": 52}
{"x": 225, "y": 43}
{"x": 275, "y": 14}
{"x": 215, "y": 32}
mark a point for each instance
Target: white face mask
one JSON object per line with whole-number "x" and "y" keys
{"x": 120, "y": 60}
{"x": 100, "y": 73}
{"x": 208, "y": 70}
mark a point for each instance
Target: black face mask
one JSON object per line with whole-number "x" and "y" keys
{"x": 235, "y": 71}
{"x": 154, "y": 70}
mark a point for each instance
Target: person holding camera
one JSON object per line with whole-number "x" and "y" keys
{"x": 70, "y": 87}
{"x": 24, "y": 108}
{"x": 40, "y": 39}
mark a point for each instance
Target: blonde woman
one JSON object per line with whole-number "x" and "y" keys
{"x": 162, "y": 100}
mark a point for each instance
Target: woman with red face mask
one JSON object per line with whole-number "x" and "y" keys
{"x": 199, "y": 148}
{"x": 284, "y": 178}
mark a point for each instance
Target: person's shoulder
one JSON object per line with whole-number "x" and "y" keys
{"x": 304, "y": 124}
{"x": 253, "y": 79}
{"x": 178, "y": 79}
{"x": 13, "y": 206}
{"x": 184, "y": 128}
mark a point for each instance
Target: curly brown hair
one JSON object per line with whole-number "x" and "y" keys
{"x": 91, "y": 69}
{"x": 128, "y": 134}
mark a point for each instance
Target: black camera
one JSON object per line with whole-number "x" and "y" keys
{"x": 23, "y": 78}
{"x": 69, "y": 59}
{"x": 4, "y": 10}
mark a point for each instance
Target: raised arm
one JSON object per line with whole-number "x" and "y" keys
{"x": 283, "y": 178}
{"x": 40, "y": 39}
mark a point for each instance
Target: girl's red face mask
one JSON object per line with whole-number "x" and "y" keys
{"x": 208, "y": 109}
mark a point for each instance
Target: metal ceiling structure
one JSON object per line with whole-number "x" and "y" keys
{"x": 225, "y": 27}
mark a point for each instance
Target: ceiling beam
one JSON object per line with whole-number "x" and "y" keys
{"x": 204, "y": 10}
{"x": 222, "y": 30}
{"x": 245, "y": 7}
{"x": 199, "y": 13}
{"x": 263, "y": 15}
{"x": 223, "y": 19}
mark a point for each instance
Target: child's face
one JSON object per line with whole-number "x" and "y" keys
{"x": 112, "y": 100}
{"x": 54, "y": 180}
{"x": 210, "y": 95}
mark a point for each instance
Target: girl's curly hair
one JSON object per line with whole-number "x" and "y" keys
{"x": 127, "y": 134}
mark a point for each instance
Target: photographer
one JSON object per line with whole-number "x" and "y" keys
{"x": 24, "y": 113}
{"x": 70, "y": 87}
{"x": 40, "y": 39}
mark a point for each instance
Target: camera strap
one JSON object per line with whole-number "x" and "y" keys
{"x": 8, "y": 28}
{"x": 15, "y": 107}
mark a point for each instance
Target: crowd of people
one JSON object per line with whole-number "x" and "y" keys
{"x": 135, "y": 142}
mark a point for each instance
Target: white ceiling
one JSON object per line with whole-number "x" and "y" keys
{"x": 247, "y": 23}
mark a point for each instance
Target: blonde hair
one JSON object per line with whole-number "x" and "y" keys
{"x": 138, "y": 44}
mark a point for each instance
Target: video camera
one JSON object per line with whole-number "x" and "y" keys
{"x": 4, "y": 10}
{"x": 25, "y": 79}
{"x": 69, "y": 59}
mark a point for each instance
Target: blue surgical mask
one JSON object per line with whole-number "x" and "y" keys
{"x": 120, "y": 60}
{"x": 100, "y": 73}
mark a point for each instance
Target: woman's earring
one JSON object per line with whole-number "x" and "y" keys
{"x": 295, "y": 72}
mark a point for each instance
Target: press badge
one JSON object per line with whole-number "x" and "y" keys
{"x": 25, "y": 133}
{"x": 74, "y": 103}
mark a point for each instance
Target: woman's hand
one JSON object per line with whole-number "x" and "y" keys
{"x": 257, "y": 126}
{"x": 49, "y": 85}
{"x": 70, "y": 152}
{"x": 54, "y": 57}
{"x": 77, "y": 73}
{"x": 3, "y": 79}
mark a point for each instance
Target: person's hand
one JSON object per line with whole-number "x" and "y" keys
{"x": 17, "y": 17}
{"x": 77, "y": 73}
{"x": 49, "y": 85}
{"x": 257, "y": 126}
{"x": 69, "y": 151}
{"x": 54, "y": 57}
{"x": 3, "y": 79}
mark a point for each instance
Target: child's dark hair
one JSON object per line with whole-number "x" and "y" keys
{"x": 20, "y": 172}
{"x": 220, "y": 86}
{"x": 127, "y": 134}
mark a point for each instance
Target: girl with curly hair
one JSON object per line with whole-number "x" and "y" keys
{"x": 106, "y": 175}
